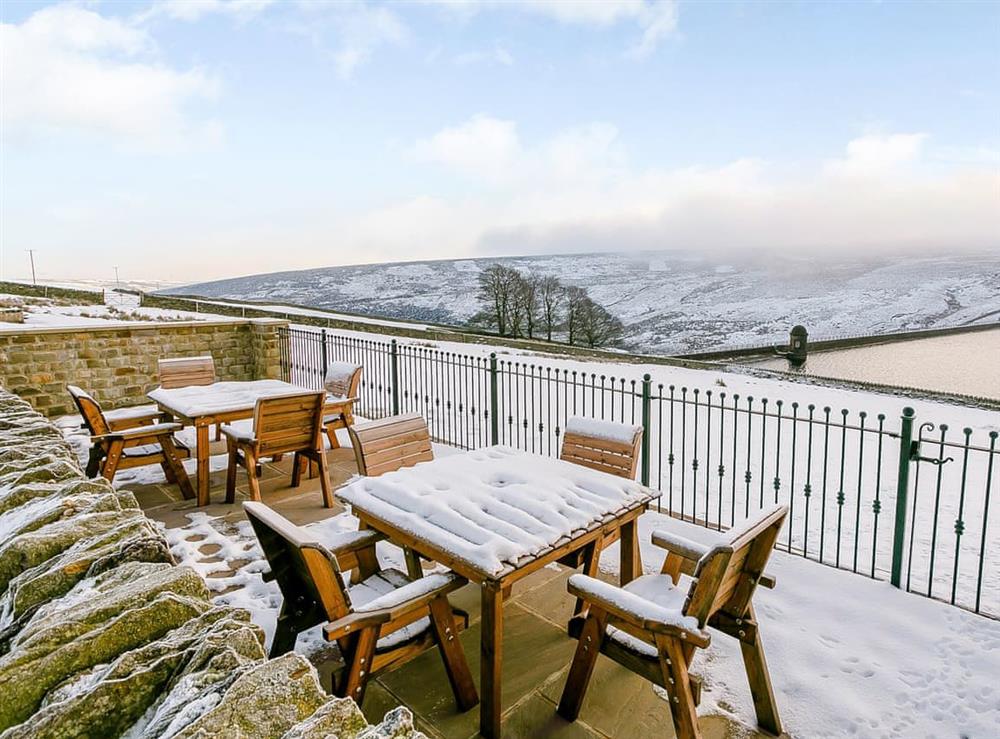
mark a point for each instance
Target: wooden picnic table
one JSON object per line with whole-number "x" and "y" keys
{"x": 203, "y": 406}
{"x": 495, "y": 516}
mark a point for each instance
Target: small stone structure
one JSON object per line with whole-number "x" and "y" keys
{"x": 118, "y": 364}
{"x": 11, "y": 315}
{"x": 101, "y": 634}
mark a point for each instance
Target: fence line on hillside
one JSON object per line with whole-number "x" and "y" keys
{"x": 898, "y": 499}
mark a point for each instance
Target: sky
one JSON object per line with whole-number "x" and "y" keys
{"x": 186, "y": 140}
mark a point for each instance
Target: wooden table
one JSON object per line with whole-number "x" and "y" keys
{"x": 495, "y": 516}
{"x": 203, "y": 406}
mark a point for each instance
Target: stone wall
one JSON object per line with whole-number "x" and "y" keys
{"x": 118, "y": 364}
{"x": 102, "y": 634}
{"x": 88, "y": 297}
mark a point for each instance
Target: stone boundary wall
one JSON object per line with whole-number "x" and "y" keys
{"x": 118, "y": 364}
{"x": 89, "y": 297}
{"x": 102, "y": 634}
{"x": 846, "y": 342}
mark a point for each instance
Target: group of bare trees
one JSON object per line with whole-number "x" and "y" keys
{"x": 522, "y": 305}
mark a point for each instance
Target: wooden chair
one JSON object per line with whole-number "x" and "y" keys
{"x": 605, "y": 446}
{"x": 282, "y": 424}
{"x": 382, "y": 622}
{"x": 131, "y": 441}
{"x": 391, "y": 443}
{"x": 186, "y": 371}
{"x": 602, "y": 445}
{"x": 653, "y": 625}
{"x": 342, "y": 381}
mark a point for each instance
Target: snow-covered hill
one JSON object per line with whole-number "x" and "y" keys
{"x": 670, "y": 302}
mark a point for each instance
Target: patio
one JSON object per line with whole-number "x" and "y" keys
{"x": 537, "y": 650}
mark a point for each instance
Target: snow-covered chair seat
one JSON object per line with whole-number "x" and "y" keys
{"x": 654, "y": 624}
{"x": 382, "y": 621}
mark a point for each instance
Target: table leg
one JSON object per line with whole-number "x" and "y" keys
{"x": 201, "y": 451}
{"x": 631, "y": 560}
{"x": 491, "y": 660}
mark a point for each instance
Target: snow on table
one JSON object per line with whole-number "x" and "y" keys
{"x": 493, "y": 507}
{"x": 221, "y": 397}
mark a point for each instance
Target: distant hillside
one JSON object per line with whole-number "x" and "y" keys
{"x": 670, "y": 302}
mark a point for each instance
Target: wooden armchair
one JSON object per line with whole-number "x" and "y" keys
{"x": 653, "y": 625}
{"x": 131, "y": 440}
{"x": 391, "y": 443}
{"x": 605, "y": 446}
{"x": 342, "y": 381}
{"x": 282, "y": 424}
{"x": 381, "y": 622}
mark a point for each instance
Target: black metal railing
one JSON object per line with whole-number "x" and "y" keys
{"x": 865, "y": 493}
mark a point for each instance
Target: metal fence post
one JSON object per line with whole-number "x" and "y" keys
{"x": 646, "y": 430}
{"x": 325, "y": 366}
{"x": 902, "y": 491}
{"x": 494, "y": 404}
{"x": 394, "y": 356}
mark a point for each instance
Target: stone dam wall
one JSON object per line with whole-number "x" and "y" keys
{"x": 103, "y": 635}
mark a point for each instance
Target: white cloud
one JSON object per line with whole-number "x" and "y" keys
{"x": 67, "y": 68}
{"x": 877, "y": 154}
{"x": 482, "y": 147}
{"x": 656, "y": 19}
{"x": 349, "y": 30}
{"x": 577, "y": 190}
{"x": 193, "y": 10}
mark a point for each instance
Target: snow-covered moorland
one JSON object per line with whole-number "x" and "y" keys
{"x": 670, "y": 301}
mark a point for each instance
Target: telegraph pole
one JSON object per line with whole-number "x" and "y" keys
{"x": 31, "y": 254}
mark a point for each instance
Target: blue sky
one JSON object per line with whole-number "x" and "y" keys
{"x": 201, "y": 138}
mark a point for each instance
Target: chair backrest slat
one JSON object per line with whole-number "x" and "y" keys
{"x": 301, "y": 566}
{"x": 288, "y": 423}
{"x": 391, "y": 443}
{"x": 90, "y": 410}
{"x": 343, "y": 378}
{"x": 726, "y": 577}
{"x": 186, "y": 372}
{"x": 602, "y": 445}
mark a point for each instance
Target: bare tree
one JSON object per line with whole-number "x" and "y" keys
{"x": 496, "y": 292}
{"x": 527, "y": 297}
{"x": 597, "y": 326}
{"x": 576, "y": 299}
{"x": 551, "y": 296}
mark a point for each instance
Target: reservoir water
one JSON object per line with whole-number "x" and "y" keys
{"x": 968, "y": 364}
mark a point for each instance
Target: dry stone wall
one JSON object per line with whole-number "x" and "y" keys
{"x": 103, "y": 635}
{"x": 118, "y": 364}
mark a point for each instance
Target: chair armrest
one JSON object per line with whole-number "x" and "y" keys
{"x": 353, "y": 541}
{"x": 139, "y": 432}
{"x": 417, "y": 594}
{"x": 679, "y": 545}
{"x": 637, "y": 611}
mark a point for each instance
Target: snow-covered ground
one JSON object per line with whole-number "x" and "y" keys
{"x": 848, "y": 656}
{"x": 120, "y": 309}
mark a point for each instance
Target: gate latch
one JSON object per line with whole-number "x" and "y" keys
{"x": 915, "y": 456}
